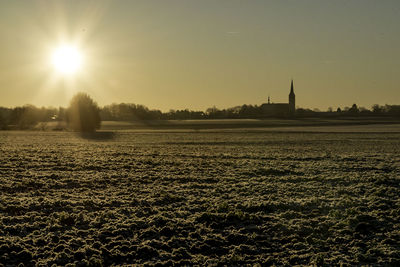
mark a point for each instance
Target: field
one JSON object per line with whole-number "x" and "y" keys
{"x": 200, "y": 197}
{"x": 244, "y": 124}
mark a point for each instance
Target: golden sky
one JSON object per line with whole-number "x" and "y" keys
{"x": 197, "y": 54}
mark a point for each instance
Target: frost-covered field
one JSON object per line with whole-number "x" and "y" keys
{"x": 200, "y": 198}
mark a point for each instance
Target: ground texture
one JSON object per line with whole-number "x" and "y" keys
{"x": 199, "y": 198}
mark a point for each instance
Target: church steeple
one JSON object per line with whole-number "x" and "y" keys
{"x": 292, "y": 99}
{"x": 291, "y": 88}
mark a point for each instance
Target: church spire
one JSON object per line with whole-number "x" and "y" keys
{"x": 291, "y": 88}
{"x": 292, "y": 100}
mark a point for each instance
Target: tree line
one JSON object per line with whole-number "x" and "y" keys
{"x": 27, "y": 116}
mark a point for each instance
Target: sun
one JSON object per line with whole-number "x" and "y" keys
{"x": 67, "y": 59}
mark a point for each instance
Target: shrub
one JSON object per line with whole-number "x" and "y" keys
{"x": 83, "y": 114}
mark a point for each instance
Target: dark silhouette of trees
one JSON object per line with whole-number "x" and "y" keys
{"x": 393, "y": 110}
{"x": 25, "y": 117}
{"x": 3, "y": 124}
{"x": 28, "y": 116}
{"x": 238, "y": 112}
{"x": 4, "y": 117}
{"x": 83, "y": 114}
{"x": 60, "y": 115}
{"x": 377, "y": 109}
{"x": 129, "y": 112}
{"x": 354, "y": 109}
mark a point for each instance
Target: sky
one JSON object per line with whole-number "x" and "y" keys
{"x": 199, "y": 54}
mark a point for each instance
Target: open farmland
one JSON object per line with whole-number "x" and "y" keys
{"x": 200, "y": 198}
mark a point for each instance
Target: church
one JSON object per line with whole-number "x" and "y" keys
{"x": 281, "y": 109}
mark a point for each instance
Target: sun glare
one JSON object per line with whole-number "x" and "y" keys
{"x": 67, "y": 59}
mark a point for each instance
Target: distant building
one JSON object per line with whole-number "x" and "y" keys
{"x": 281, "y": 109}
